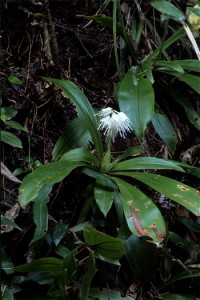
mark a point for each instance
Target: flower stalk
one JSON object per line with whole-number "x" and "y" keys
{"x": 112, "y": 123}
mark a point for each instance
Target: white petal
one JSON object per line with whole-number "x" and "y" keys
{"x": 113, "y": 123}
{"x": 105, "y": 112}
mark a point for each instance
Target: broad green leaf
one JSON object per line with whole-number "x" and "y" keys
{"x": 6, "y": 293}
{"x": 84, "y": 110}
{"x": 108, "y": 260}
{"x": 45, "y": 264}
{"x": 85, "y": 209}
{"x": 48, "y": 174}
{"x": 132, "y": 151}
{"x": 183, "y": 275}
{"x": 8, "y": 112}
{"x": 140, "y": 163}
{"x": 105, "y": 294}
{"x": 80, "y": 226}
{"x": 71, "y": 266}
{"x": 104, "y": 244}
{"x": 14, "y": 80}
{"x": 6, "y": 221}
{"x": 136, "y": 101}
{"x": 183, "y": 243}
{"x": 192, "y": 225}
{"x": 16, "y": 125}
{"x": 102, "y": 177}
{"x": 174, "y": 65}
{"x": 165, "y": 130}
{"x": 87, "y": 278}
{"x": 191, "y": 113}
{"x": 189, "y": 64}
{"x": 103, "y": 196}
{"x": 75, "y": 135}
{"x": 59, "y": 232}
{"x": 138, "y": 252}
{"x": 40, "y": 277}
{"x": 40, "y": 213}
{"x": 119, "y": 207}
{"x": 80, "y": 154}
{"x": 2, "y": 114}
{"x": 142, "y": 215}
{"x": 173, "y": 189}
{"x": 10, "y": 139}
{"x": 61, "y": 250}
{"x": 191, "y": 80}
{"x": 168, "y": 9}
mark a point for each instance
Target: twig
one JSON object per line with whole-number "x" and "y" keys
{"x": 52, "y": 33}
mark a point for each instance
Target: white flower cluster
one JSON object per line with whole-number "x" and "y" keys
{"x": 113, "y": 123}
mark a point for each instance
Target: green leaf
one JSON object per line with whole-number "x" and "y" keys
{"x": 48, "y": 174}
{"x": 16, "y": 125}
{"x": 183, "y": 275}
{"x": 168, "y": 9}
{"x": 87, "y": 278}
{"x": 104, "y": 244}
{"x": 14, "y": 80}
{"x": 10, "y": 139}
{"x": 6, "y": 221}
{"x": 103, "y": 196}
{"x": 84, "y": 110}
{"x": 8, "y": 112}
{"x": 102, "y": 177}
{"x": 80, "y": 154}
{"x": 191, "y": 80}
{"x": 191, "y": 113}
{"x": 45, "y": 264}
{"x": 138, "y": 252}
{"x": 61, "y": 250}
{"x": 40, "y": 213}
{"x": 165, "y": 130}
{"x": 174, "y": 65}
{"x": 6, "y": 293}
{"x": 183, "y": 243}
{"x": 132, "y": 151}
{"x": 136, "y": 100}
{"x": 180, "y": 33}
{"x": 148, "y": 163}
{"x": 71, "y": 266}
{"x": 192, "y": 225}
{"x": 85, "y": 209}
{"x": 59, "y": 232}
{"x": 75, "y": 135}
{"x": 142, "y": 215}
{"x": 175, "y": 190}
{"x": 119, "y": 207}
{"x": 189, "y": 64}
{"x": 40, "y": 277}
{"x": 80, "y": 226}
